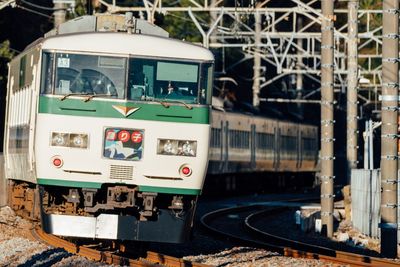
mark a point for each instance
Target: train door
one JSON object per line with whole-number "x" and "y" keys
{"x": 253, "y": 146}
{"x": 299, "y": 148}
{"x": 226, "y": 148}
{"x": 277, "y": 134}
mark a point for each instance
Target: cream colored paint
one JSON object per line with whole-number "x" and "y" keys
{"x": 91, "y": 160}
{"x": 127, "y": 44}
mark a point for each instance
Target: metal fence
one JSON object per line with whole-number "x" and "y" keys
{"x": 3, "y": 192}
{"x": 366, "y": 200}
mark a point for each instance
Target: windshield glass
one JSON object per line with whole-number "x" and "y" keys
{"x": 150, "y": 79}
{"x": 139, "y": 79}
{"x": 86, "y": 75}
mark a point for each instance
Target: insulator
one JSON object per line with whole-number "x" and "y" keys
{"x": 327, "y": 158}
{"x": 391, "y": 136}
{"x": 389, "y": 205}
{"x": 327, "y": 196}
{"x": 391, "y": 108}
{"x": 391, "y": 36}
{"x": 391, "y": 60}
{"x": 388, "y": 181}
{"x": 326, "y": 213}
{"x": 390, "y": 157}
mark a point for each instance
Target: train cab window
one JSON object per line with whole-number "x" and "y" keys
{"x": 169, "y": 81}
{"x": 47, "y": 73}
{"x": 103, "y": 76}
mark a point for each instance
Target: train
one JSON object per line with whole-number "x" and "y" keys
{"x": 110, "y": 132}
{"x": 107, "y": 130}
{"x": 251, "y": 153}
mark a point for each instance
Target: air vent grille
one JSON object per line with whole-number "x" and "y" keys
{"x": 121, "y": 172}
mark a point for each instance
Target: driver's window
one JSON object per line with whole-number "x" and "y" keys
{"x": 90, "y": 74}
{"x": 141, "y": 79}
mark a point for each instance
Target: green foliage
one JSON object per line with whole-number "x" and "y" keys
{"x": 181, "y": 26}
{"x": 5, "y": 56}
{"x": 5, "y": 51}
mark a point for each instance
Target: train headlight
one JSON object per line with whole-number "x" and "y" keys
{"x": 176, "y": 147}
{"x": 59, "y": 139}
{"x": 188, "y": 148}
{"x": 79, "y": 140}
{"x": 167, "y": 147}
{"x": 69, "y": 140}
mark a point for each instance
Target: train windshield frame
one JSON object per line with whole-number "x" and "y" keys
{"x": 130, "y": 78}
{"x": 169, "y": 80}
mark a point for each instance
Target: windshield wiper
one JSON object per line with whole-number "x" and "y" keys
{"x": 87, "y": 99}
{"x": 181, "y": 102}
{"x": 72, "y": 94}
{"x": 164, "y": 104}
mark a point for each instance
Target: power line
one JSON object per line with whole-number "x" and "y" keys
{"x": 34, "y": 11}
{"x": 41, "y": 7}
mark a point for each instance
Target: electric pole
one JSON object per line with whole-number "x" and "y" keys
{"x": 327, "y": 119}
{"x": 257, "y": 59}
{"x": 389, "y": 154}
{"x": 59, "y": 13}
{"x": 352, "y": 86}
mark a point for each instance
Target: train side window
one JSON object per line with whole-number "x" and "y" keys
{"x": 22, "y": 71}
{"x": 47, "y": 73}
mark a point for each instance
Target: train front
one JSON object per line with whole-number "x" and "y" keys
{"x": 122, "y": 135}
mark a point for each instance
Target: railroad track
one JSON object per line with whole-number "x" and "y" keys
{"x": 238, "y": 225}
{"x": 151, "y": 259}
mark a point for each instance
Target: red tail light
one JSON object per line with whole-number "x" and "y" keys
{"x": 57, "y": 162}
{"x": 185, "y": 170}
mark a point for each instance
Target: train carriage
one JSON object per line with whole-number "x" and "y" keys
{"x": 107, "y": 132}
{"x": 243, "y": 143}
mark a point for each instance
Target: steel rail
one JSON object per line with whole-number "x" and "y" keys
{"x": 152, "y": 258}
{"x": 285, "y": 248}
{"x": 340, "y": 256}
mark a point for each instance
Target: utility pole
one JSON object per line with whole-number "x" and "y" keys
{"x": 327, "y": 120}
{"x": 59, "y": 13}
{"x": 389, "y": 154}
{"x": 299, "y": 75}
{"x": 352, "y": 86}
{"x": 257, "y": 59}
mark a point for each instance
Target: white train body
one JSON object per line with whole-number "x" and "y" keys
{"x": 115, "y": 155}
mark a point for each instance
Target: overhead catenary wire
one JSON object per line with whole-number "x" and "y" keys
{"x": 34, "y": 11}
{"x": 41, "y": 7}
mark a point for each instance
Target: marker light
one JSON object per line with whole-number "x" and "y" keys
{"x": 57, "y": 162}
{"x": 185, "y": 170}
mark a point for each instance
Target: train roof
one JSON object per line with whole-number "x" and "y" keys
{"x": 127, "y": 44}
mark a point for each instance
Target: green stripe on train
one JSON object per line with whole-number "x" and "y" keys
{"x": 65, "y": 183}
{"x": 147, "y": 111}
{"x": 167, "y": 190}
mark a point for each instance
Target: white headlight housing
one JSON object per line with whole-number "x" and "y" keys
{"x": 69, "y": 140}
{"x": 177, "y": 147}
{"x": 59, "y": 139}
{"x": 79, "y": 140}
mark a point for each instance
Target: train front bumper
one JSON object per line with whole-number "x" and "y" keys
{"x": 169, "y": 227}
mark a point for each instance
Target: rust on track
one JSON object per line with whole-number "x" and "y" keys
{"x": 151, "y": 259}
{"x": 339, "y": 257}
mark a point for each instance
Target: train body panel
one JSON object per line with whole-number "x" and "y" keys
{"x": 243, "y": 143}
{"x": 94, "y": 168}
{"x": 21, "y": 102}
